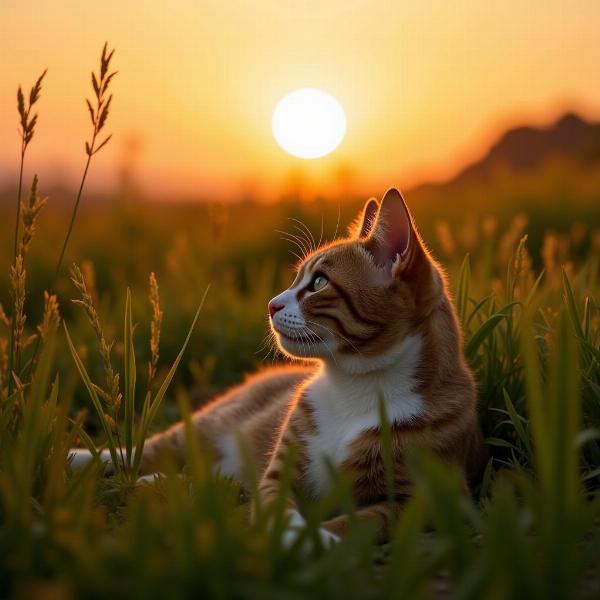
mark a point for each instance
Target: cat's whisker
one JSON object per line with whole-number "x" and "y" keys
{"x": 308, "y": 231}
{"x": 303, "y": 236}
{"x": 299, "y": 258}
{"x": 335, "y": 333}
{"x": 264, "y": 344}
{"x": 269, "y": 344}
{"x": 337, "y": 225}
{"x": 288, "y": 237}
{"x": 322, "y": 226}
{"x": 304, "y": 345}
{"x": 305, "y": 240}
{"x": 323, "y": 342}
{"x": 300, "y": 242}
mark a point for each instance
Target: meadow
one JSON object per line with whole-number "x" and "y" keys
{"x": 111, "y": 367}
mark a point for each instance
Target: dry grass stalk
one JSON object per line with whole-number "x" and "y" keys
{"x": 17, "y": 292}
{"x": 89, "y": 276}
{"x": 98, "y": 115}
{"x": 29, "y": 214}
{"x": 510, "y": 238}
{"x": 155, "y": 326}
{"x": 27, "y": 129}
{"x": 3, "y": 369}
{"x": 5, "y": 321}
{"x": 112, "y": 395}
{"x": 523, "y": 271}
{"x": 51, "y": 317}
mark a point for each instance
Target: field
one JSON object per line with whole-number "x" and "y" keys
{"x": 115, "y": 365}
{"x": 531, "y": 336}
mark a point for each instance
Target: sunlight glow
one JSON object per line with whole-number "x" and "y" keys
{"x": 309, "y": 123}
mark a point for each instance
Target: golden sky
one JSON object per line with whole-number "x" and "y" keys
{"x": 426, "y": 85}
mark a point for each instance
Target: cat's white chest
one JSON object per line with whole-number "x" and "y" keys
{"x": 329, "y": 444}
{"x": 343, "y": 410}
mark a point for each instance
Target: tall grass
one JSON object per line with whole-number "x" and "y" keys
{"x": 530, "y": 529}
{"x": 98, "y": 116}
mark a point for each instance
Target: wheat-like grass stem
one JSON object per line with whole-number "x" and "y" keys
{"x": 19, "y": 191}
{"x": 98, "y": 116}
{"x": 26, "y": 133}
{"x": 73, "y": 215}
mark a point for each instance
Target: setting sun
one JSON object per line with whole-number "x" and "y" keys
{"x": 309, "y": 123}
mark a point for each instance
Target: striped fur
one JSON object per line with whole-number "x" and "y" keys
{"x": 380, "y": 326}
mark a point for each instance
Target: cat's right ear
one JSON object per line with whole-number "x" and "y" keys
{"x": 363, "y": 224}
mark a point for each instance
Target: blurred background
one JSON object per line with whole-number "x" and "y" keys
{"x": 486, "y": 115}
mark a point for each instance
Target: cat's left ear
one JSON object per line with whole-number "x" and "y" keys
{"x": 392, "y": 237}
{"x": 363, "y": 224}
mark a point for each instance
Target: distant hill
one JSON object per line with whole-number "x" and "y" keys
{"x": 525, "y": 149}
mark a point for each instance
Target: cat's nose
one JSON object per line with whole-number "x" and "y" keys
{"x": 274, "y": 307}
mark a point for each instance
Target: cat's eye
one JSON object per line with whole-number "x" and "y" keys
{"x": 318, "y": 282}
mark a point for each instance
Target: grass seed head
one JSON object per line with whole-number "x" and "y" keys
{"x": 111, "y": 395}
{"x": 27, "y": 121}
{"x": 99, "y": 113}
{"x": 17, "y": 292}
{"x": 51, "y": 318}
{"x": 3, "y": 369}
{"x": 29, "y": 215}
{"x": 155, "y": 326}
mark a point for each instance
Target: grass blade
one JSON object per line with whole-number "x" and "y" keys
{"x": 154, "y": 405}
{"x": 112, "y": 448}
{"x": 572, "y": 305}
{"x": 462, "y": 292}
{"x": 130, "y": 378}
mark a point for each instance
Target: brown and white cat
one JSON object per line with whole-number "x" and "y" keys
{"x": 372, "y": 315}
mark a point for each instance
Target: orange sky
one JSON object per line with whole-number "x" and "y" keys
{"x": 425, "y": 85}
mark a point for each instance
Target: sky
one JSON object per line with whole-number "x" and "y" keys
{"x": 426, "y": 86}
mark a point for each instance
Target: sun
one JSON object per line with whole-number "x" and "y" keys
{"x": 309, "y": 123}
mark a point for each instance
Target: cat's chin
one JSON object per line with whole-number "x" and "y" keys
{"x": 299, "y": 346}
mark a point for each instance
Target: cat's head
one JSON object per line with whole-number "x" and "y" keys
{"x": 357, "y": 298}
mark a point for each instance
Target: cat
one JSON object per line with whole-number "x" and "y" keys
{"x": 371, "y": 317}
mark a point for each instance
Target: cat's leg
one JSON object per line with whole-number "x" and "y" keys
{"x": 269, "y": 488}
{"x": 171, "y": 441}
{"x": 381, "y": 513}
{"x": 80, "y": 457}
{"x": 296, "y": 524}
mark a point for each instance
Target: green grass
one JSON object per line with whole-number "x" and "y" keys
{"x": 531, "y": 529}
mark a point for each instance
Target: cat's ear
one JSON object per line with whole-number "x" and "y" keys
{"x": 363, "y": 224}
{"x": 392, "y": 236}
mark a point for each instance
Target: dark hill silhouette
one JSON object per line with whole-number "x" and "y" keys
{"x": 525, "y": 149}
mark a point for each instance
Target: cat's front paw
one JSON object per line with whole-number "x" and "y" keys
{"x": 328, "y": 539}
{"x": 150, "y": 479}
{"x": 296, "y": 524}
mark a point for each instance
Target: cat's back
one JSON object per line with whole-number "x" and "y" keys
{"x": 259, "y": 391}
